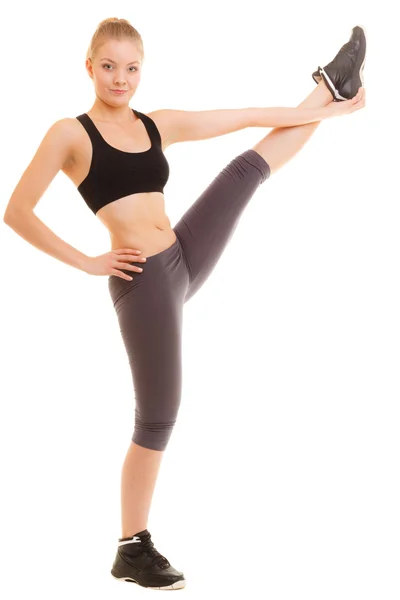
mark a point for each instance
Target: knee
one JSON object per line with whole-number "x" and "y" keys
{"x": 254, "y": 156}
{"x": 154, "y": 436}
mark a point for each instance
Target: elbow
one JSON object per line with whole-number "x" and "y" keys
{"x": 8, "y": 217}
{"x": 12, "y": 216}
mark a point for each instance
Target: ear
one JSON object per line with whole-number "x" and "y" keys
{"x": 89, "y": 67}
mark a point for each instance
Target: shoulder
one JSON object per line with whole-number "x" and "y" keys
{"x": 70, "y": 134}
{"x": 69, "y": 129}
{"x": 59, "y": 140}
{"x": 163, "y": 120}
{"x": 162, "y": 117}
{"x": 66, "y": 130}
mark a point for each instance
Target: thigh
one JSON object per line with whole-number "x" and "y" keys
{"x": 149, "y": 312}
{"x": 151, "y": 331}
{"x": 207, "y": 226}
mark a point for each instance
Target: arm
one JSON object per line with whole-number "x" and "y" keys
{"x": 52, "y": 154}
{"x": 185, "y": 126}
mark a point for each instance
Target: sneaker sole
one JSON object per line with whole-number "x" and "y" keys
{"x": 329, "y": 83}
{"x": 174, "y": 586}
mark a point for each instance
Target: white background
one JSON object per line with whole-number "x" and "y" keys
{"x": 281, "y": 478}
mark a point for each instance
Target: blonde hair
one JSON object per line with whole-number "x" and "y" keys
{"x": 113, "y": 28}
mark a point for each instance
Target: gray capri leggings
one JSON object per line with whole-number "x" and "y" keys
{"x": 150, "y": 307}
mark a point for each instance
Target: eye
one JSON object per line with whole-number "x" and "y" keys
{"x": 108, "y": 65}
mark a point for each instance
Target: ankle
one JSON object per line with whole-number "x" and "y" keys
{"x": 128, "y": 533}
{"x": 320, "y": 96}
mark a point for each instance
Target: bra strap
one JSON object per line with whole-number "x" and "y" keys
{"x": 150, "y": 125}
{"x": 90, "y": 127}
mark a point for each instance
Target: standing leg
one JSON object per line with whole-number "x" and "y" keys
{"x": 149, "y": 311}
{"x": 139, "y": 475}
{"x": 207, "y": 226}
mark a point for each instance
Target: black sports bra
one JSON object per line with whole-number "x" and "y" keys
{"x": 115, "y": 173}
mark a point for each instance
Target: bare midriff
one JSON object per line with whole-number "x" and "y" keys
{"x": 138, "y": 222}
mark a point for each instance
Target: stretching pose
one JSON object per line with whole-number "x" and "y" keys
{"x": 115, "y": 157}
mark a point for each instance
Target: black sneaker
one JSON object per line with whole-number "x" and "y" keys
{"x": 138, "y": 561}
{"x": 344, "y": 74}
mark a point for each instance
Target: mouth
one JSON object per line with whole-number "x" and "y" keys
{"x": 119, "y": 91}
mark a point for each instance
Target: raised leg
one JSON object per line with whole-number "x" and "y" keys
{"x": 282, "y": 143}
{"x": 207, "y": 226}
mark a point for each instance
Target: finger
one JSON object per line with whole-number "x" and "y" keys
{"x": 119, "y": 250}
{"x": 130, "y": 257}
{"x": 130, "y": 267}
{"x": 122, "y": 275}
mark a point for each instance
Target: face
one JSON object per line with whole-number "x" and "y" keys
{"x": 116, "y": 66}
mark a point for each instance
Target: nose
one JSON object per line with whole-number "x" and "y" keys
{"x": 119, "y": 80}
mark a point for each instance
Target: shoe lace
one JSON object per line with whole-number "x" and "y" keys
{"x": 147, "y": 546}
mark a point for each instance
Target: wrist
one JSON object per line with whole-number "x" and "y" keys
{"x": 328, "y": 110}
{"x": 83, "y": 263}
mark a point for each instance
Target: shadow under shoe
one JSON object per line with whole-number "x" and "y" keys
{"x": 138, "y": 561}
{"x": 344, "y": 74}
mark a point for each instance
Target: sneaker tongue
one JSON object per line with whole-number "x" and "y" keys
{"x": 143, "y": 533}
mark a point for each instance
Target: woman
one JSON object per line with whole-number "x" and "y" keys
{"x": 115, "y": 157}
